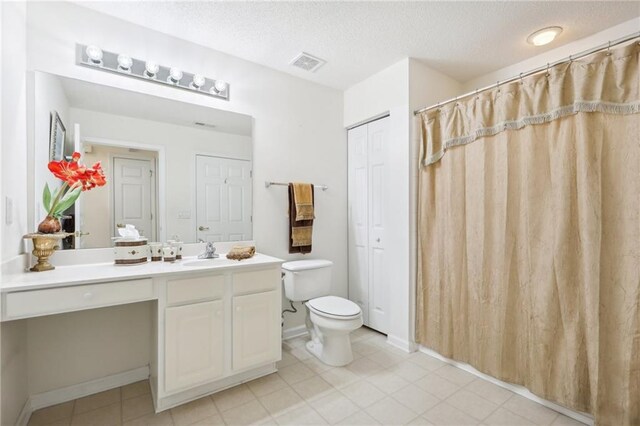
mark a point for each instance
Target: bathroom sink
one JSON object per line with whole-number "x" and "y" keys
{"x": 204, "y": 262}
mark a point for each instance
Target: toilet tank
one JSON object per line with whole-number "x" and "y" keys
{"x": 307, "y": 279}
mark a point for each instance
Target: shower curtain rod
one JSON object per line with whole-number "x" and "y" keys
{"x": 534, "y": 71}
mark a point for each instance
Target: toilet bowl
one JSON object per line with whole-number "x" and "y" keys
{"x": 330, "y": 319}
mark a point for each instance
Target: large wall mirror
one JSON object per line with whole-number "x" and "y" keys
{"x": 174, "y": 170}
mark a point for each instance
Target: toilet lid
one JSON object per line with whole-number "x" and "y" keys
{"x": 333, "y": 305}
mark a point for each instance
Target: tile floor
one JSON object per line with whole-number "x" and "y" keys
{"x": 383, "y": 385}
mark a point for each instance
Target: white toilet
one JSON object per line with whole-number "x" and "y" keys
{"x": 330, "y": 319}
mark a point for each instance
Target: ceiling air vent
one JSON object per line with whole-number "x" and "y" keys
{"x": 307, "y": 62}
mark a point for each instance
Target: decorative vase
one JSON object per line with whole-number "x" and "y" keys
{"x": 50, "y": 225}
{"x": 43, "y": 246}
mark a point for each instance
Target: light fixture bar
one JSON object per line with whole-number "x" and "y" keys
{"x": 138, "y": 69}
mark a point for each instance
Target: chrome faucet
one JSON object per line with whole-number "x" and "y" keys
{"x": 209, "y": 252}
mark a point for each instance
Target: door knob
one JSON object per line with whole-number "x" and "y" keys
{"x": 81, "y": 234}
{"x": 119, "y": 225}
{"x": 203, "y": 228}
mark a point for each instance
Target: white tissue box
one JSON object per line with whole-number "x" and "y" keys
{"x": 130, "y": 251}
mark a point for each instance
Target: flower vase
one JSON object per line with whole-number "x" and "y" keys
{"x": 44, "y": 245}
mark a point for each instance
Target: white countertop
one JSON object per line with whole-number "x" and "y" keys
{"x": 106, "y": 272}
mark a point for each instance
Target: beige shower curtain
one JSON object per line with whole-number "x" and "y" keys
{"x": 529, "y": 234}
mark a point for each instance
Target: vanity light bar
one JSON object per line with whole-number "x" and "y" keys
{"x": 96, "y": 58}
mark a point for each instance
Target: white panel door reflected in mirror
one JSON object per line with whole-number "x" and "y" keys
{"x": 150, "y": 148}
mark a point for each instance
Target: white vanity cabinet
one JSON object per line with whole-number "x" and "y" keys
{"x": 220, "y": 329}
{"x": 214, "y": 324}
{"x": 256, "y": 318}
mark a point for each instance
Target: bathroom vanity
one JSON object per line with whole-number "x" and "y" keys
{"x": 216, "y": 322}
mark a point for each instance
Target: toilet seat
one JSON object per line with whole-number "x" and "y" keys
{"x": 334, "y": 307}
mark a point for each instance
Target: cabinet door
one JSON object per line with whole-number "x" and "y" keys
{"x": 256, "y": 329}
{"x": 194, "y": 344}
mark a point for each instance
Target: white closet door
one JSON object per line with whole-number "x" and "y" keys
{"x": 368, "y": 276}
{"x": 359, "y": 219}
{"x": 378, "y": 137}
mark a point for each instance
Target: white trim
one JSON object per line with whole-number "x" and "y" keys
{"x": 25, "y": 414}
{"x": 173, "y": 400}
{"x": 293, "y": 332}
{"x": 402, "y": 344}
{"x": 520, "y": 390}
{"x": 69, "y": 393}
{"x": 161, "y": 170}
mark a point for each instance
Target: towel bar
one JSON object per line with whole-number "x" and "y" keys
{"x": 267, "y": 184}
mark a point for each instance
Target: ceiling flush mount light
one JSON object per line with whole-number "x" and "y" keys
{"x": 94, "y": 57}
{"x": 125, "y": 63}
{"x": 95, "y": 54}
{"x": 544, "y": 36}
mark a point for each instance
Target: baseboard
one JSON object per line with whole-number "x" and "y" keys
{"x": 293, "y": 332}
{"x": 520, "y": 390}
{"x": 69, "y": 393}
{"x": 402, "y": 344}
{"x": 25, "y": 414}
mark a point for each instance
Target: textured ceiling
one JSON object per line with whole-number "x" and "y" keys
{"x": 461, "y": 39}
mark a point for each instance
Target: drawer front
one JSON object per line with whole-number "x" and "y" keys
{"x": 195, "y": 289}
{"x": 35, "y": 303}
{"x": 256, "y": 281}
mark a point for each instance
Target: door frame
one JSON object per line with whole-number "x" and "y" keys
{"x": 194, "y": 184}
{"x": 160, "y": 187}
{"x": 154, "y": 193}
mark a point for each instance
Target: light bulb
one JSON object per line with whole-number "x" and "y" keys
{"x": 219, "y": 86}
{"x": 544, "y": 36}
{"x": 125, "y": 62}
{"x": 95, "y": 54}
{"x": 151, "y": 69}
{"x": 198, "y": 81}
{"x": 175, "y": 75}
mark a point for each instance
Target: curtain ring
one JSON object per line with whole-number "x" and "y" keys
{"x": 548, "y": 74}
{"x": 521, "y": 81}
{"x": 570, "y": 59}
{"x": 498, "y": 86}
{"x": 609, "y": 49}
{"x": 477, "y": 97}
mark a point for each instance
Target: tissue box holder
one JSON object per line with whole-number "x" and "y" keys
{"x": 131, "y": 252}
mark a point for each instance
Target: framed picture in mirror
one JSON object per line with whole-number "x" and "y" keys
{"x": 56, "y": 137}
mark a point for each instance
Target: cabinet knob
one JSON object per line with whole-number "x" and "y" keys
{"x": 203, "y": 228}
{"x": 87, "y": 296}
{"x": 377, "y": 240}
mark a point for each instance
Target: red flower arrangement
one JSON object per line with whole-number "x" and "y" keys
{"x": 76, "y": 178}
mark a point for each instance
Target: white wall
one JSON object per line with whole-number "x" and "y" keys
{"x": 13, "y": 149}
{"x": 180, "y": 144}
{"x": 399, "y": 89}
{"x": 14, "y": 129}
{"x": 82, "y": 346}
{"x": 377, "y": 94}
{"x": 610, "y": 34}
